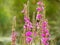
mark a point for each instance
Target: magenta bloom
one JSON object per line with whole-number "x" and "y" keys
{"x": 29, "y": 33}
{"x": 29, "y": 39}
{"x": 39, "y": 16}
{"x": 43, "y": 35}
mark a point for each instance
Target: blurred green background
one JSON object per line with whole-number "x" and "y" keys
{"x": 11, "y": 8}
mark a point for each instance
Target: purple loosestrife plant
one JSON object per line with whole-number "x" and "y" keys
{"x": 45, "y": 33}
{"x": 27, "y": 26}
{"x": 28, "y": 33}
{"x": 42, "y": 24}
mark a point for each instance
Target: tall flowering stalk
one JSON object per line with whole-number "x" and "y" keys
{"x": 27, "y": 25}
{"x": 14, "y": 34}
{"x": 42, "y": 24}
{"x": 39, "y": 17}
{"x": 45, "y": 33}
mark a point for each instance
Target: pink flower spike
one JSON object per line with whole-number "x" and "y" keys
{"x": 29, "y": 33}
{"x": 29, "y": 39}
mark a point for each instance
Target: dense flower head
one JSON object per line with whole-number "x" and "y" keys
{"x": 28, "y": 33}
{"x": 29, "y": 39}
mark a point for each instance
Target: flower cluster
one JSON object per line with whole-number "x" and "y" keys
{"x": 39, "y": 15}
{"x": 41, "y": 24}
{"x": 28, "y": 24}
{"x": 45, "y": 33}
{"x": 28, "y": 28}
{"x": 44, "y": 24}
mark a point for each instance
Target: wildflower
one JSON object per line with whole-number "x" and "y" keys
{"x": 45, "y": 33}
